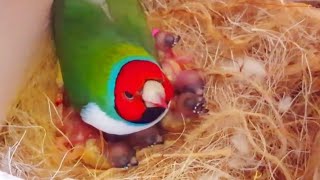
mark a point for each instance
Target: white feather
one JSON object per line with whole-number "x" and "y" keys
{"x": 6, "y": 176}
{"x": 253, "y": 68}
{"x": 240, "y": 142}
{"x": 231, "y": 66}
{"x": 248, "y": 66}
{"x": 243, "y": 157}
{"x": 93, "y": 115}
{"x": 285, "y": 104}
{"x": 215, "y": 176}
{"x": 236, "y": 163}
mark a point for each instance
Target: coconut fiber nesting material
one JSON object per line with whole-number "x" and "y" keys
{"x": 261, "y": 62}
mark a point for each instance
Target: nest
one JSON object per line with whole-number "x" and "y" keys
{"x": 262, "y": 69}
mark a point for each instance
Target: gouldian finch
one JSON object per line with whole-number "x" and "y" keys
{"x": 107, "y": 57}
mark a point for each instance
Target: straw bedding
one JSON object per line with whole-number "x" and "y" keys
{"x": 261, "y": 62}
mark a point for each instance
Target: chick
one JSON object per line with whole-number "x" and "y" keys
{"x": 121, "y": 155}
{"x": 145, "y": 138}
{"x": 189, "y": 84}
{"x": 165, "y": 41}
{"x": 190, "y": 105}
{"x": 121, "y": 152}
{"x": 148, "y": 137}
{"x": 189, "y": 89}
{"x": 77, "y": 131}
{"x": 116, "y": 154}
{"x": 187, "y": 107}
{"x": 313, "y": 3}
{"x": 189, "y": 81}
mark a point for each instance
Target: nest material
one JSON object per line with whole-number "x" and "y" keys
{"x": 263, "y": 118}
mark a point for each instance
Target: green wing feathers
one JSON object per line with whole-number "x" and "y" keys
{"x": 130, "y": 22}
{"x": 87, "y": 43}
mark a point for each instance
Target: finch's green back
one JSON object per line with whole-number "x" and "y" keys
{"x": 91, "y": 38}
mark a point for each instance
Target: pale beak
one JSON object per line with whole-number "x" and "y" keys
{"x": 162, "y": 103}
{"x": 153, "y": 94}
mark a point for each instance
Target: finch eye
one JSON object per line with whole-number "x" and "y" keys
{"x": 128, "y": 95}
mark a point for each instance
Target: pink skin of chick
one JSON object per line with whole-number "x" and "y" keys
{"x": 165, "y": 41}
{"x": 189, "y": 84}
{"x": 120, "y": 154}
{"x": 183, "y": 80}
{"x": 171, "y": 63}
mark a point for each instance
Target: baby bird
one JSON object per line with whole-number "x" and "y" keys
{"x": 121, "y": 149}
{"x": 165, "y": 41}
{"x": 189, "y": 102}
{"x": 189, "y": 81}
{"x": 145, "y": 138}
{"x": 148, "y": 137}
{"x": 121, "y": 154}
